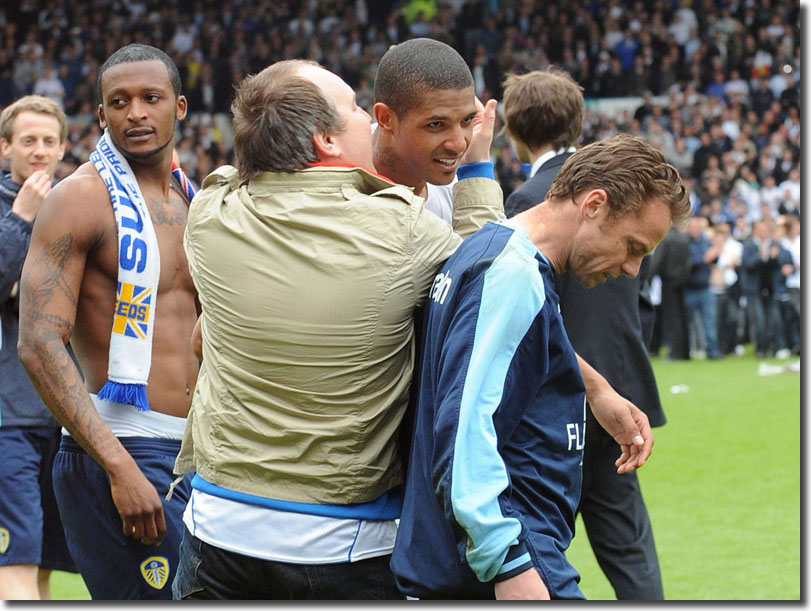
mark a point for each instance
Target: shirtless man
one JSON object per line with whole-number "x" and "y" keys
{"x": 115, "y": 461}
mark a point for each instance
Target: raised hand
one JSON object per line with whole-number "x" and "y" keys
{"x": 482, "y": 139}
{"x": 31, "y": 195}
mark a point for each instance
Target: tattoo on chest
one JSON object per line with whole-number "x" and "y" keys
{"x": 170, "y": 212}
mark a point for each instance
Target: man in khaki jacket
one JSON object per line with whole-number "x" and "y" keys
{"x": 308, "y": 268}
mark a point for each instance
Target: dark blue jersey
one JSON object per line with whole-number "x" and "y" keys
{"x": 495, "y": 472}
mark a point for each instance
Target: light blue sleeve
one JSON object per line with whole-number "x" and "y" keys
{"x": 512, "y": 297}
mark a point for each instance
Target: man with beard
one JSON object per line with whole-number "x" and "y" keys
{"x": 496, "y": 460}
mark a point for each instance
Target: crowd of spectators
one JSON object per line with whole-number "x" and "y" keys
{"x": 718, "y": 80}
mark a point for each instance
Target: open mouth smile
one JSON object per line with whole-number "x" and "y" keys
{"x": 447, "y": 162}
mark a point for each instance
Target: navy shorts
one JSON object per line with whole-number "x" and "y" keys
{"x": 30, "y": 529}
{"x": 115, "y": 567}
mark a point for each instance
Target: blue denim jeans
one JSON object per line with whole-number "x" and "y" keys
{"x": 206, "y": 572}
{"x": 705, "y": 303}
{"x": 765, "y": 324}
{"x": 731, "y": 319}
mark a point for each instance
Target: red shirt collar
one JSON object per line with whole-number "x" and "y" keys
{"x": 338, "y": 164}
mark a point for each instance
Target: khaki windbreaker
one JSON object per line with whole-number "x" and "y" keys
{"x": 308, "y": 283}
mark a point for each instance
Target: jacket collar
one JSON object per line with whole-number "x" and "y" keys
{"x": 338, "y": 164}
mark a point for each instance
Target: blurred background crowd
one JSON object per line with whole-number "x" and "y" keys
{"x": 714, "y": 84}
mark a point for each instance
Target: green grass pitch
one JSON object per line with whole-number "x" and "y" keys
{"x": 722, "y": 487}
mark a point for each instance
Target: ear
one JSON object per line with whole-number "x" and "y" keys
{"x": 386, "y": 118}
{"x": 325, "y": 146}
{"x": 102, "y": 120}
{"x": 62, "y": 150}
{"x": 5, "y": 147}
{"x": 182, "y": 106}
{"x": 594, "y": 205}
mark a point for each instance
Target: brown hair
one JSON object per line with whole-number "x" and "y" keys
{"x": 31, "y": 103}
{"x": 631, "y": 171}
{"x": 790, "y": 221}
{"x": 543, "y": 107}
{"x": 276, "y": 112}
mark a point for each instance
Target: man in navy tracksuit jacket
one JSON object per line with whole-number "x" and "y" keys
{"x": 498, "y": 289}
{"x": 495, "y": 471}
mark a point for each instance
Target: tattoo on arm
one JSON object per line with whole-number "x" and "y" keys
{"x": 51, "y": 264}
{"x": 52, "y": 321}
{"x": 58, "y": 382}
{"x": 52, "y": 371}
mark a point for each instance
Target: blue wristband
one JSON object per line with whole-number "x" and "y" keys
{"x": 478, "y": 169}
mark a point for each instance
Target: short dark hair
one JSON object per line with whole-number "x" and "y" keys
{"x": 406, "y": 71}
{"x": 543, "y": 107}
{"x": 276, "y": 112}
{"x": 140, "y": 53}
{"x": 631, "y": 171}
